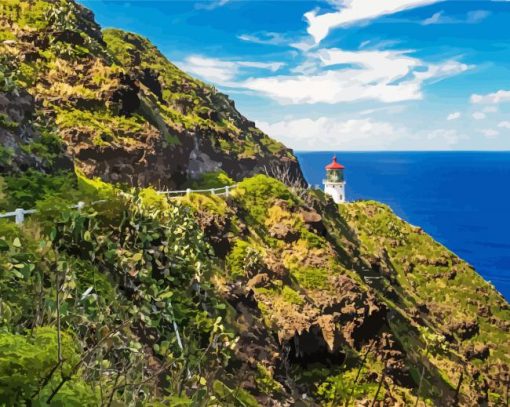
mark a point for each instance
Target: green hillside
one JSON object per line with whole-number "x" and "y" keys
{"x": 120, "y": 109}
{"x": 270, "y": 295}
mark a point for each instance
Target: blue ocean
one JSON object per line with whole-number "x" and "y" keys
{"x": 462, "y": 199}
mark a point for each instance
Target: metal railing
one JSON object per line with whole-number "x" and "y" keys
{"x": 20, "y": 213}
{"x": 222, "y": 191}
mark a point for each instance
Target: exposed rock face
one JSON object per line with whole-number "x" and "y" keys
{"x": 128, "y": 115}
{"x": 17, "y": 129}
{"x": 477, "y": 351}
{"x": 465, "y": 329}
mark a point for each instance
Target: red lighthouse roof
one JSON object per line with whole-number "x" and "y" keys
{"x": 334, "y": 165}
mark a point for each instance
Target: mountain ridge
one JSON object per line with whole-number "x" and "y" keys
{"x": 122, "y": 110}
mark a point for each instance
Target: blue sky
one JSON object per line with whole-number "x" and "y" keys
{"x": 344, "y": 74}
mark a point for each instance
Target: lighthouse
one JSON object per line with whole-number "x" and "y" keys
{"x": 334, "y": 184}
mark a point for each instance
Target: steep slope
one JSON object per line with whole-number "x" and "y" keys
{"x": 123, "y": 111}
{"x": 349, "y": 296}
{"x": 267, "y": 297}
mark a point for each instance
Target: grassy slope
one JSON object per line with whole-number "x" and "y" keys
{"x": 302, "y": 268}
{"x": 307, "y": 278}
{"x": 425, "y": 272}
{"x": 119, "y": 95}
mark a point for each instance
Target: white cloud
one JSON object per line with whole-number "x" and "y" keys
{"x": 490, "y": 109}
{"x": 220, "y": 71}
{"x": 211, "y": 4}
{"x": 491, "y": 98}
{"x": 354, "y": 11}
{"x": 271, "y": 66}
{"x": 490, "y": 133}
{"x": 304, "y": 44}
{"x": 433, "y": 19}
{"x": 453, "y": 116}
{"x": 444, "y": 137}
{"x": 504, "y": 125}
{"x": 345, "y": 76}
{"x": 390, "y": 109}
{"x": 265, "y": 38}
{"x": 471, "y": 17}
{"x": 479, "y": 115}
{"x": 354, "y": 134}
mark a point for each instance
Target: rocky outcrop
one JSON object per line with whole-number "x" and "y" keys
{"x": 125, "y": 113}
{"x": 464, "y": 329}
{"x": 19, "y": 135}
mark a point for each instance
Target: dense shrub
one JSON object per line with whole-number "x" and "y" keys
{"x": 23, "y": 190}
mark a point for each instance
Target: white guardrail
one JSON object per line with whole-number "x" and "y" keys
{"x": 222, "y": 191}
{"x": 19, "y": 213}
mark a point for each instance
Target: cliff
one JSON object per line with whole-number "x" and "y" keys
{"x": 271, "y": 295}
{"x": 121, "y": 110}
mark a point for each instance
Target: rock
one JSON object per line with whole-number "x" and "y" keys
{"x": 310, "y": 346}
{"x": 423, "y": 308}
{"x": 259, "y": 280}
{"x": 478, "y": 351}
{"x": 451, "y": 274}
{"x": 71, "y": 37}
{"x": 464, "y": 329}
{"x": 216, "y": 228}
{"x": 150, "y": 78}
{"x": 484, "y": 310}
{"x": 126, "y": 95}
{"x": 313, "y": 221}
{"x": 283, "y": 232}
{"x": 329, "y": 332}
{"x": 275, "y": 266}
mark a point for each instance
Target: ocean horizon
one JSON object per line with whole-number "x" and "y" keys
{"x": 460, "y": 198}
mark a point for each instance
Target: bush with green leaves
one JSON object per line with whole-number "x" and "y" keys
{"x": 244, "y": 260}
{"x": 215, "y": 179}
{"x": 23, "y": 190}
{"x": 258, "y": 193}
{"x": 134, "y": 259}
{"x": 336, "y": 389}
{"x": 31, "y": 374}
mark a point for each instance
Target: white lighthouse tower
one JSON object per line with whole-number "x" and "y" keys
{"x": 334, "y": 184}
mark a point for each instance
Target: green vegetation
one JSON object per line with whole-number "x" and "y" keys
{"x": 6, "y": 123}
{"x": 25, "y": 189}
{"x": 66, "y": 248}
{"x": 216, "y": 179}
{"x": 243, "y": 260}
{"x": 337, "y": 389}
{"x": 104, "y": 128}
{"x": 6, "y": 155}
{"x": 259, "y": 192}
{"x": 291, "y": 296}
{"x": 141, "y": 239}
{"x": 29, "y": 360}
{"x": 311, "y": 277}
{"x": 265, "y": 381}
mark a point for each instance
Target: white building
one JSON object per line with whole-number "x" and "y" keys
{"x": 334, "y": 184}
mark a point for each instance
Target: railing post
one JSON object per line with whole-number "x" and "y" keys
{"x": 80, "y": 206}
{"x": 188, "y": 191}
{"x": 213, "y": 191}
{"x": 20, "y": 216}
{"x": 226, "y": 190}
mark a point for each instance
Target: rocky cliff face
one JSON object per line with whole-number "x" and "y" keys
{"x": 123, "y": 111}
{"x": 352, "y": 299}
